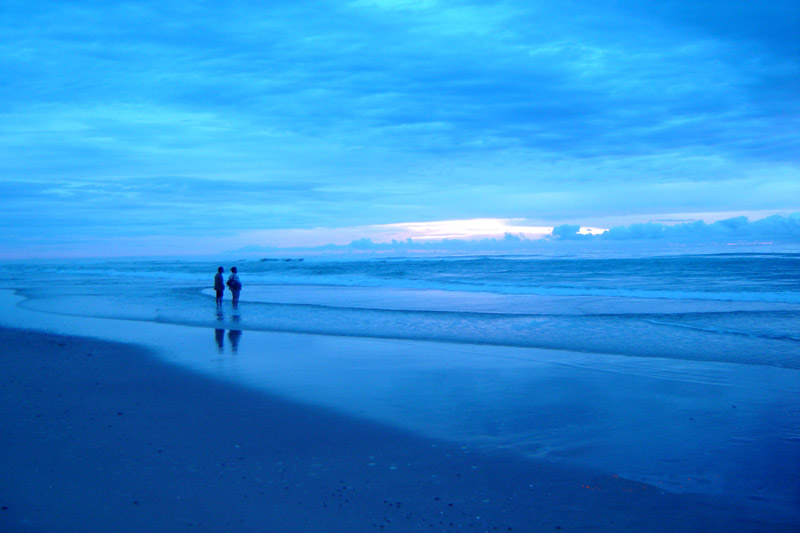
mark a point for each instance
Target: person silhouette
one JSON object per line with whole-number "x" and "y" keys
{"x": 235, "y": 286}
{"x": 219, "y": 285}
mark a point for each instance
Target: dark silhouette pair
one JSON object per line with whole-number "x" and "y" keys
{"x": 233, "y": 283}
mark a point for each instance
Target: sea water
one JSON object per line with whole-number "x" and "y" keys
{"x": 680, "y": 371}
{"x": 727, "y": 307}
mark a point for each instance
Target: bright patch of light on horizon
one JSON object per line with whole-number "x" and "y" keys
{"x": 437, "y": 230}
{"x": 478, "y": 228}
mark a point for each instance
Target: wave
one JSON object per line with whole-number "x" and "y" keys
{"x": 633, "y": 334}
{"x": 729, "y": 331}
{"x": 565, "y": 310}
{"x": 727, "y": 277}
{"x": 510, "y": 289}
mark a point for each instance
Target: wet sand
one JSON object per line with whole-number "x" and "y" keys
{"x": 99, "y": 436}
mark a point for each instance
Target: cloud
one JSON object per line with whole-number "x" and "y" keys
{"x": 447, "y": 77}
{"x": 773, "y": 229}
{"x": 139, "y": 118}
{"x": 508, "y": 244}
{"x": 568, "y": 232}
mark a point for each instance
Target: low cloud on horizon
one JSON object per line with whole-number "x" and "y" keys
{"x": 776, "y": 230}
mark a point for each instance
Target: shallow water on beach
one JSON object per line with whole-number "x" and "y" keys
{"x": 688, "y": 385}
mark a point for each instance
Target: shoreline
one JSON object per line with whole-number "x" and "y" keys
{"x": 103, "y": 436}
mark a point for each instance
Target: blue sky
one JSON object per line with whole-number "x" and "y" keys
{"x": 195, "y": 127}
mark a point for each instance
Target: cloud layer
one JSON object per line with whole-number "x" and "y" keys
{"x": 143, "y": 119}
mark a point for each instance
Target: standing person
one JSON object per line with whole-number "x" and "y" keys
{"x": 235, "y": 285}
{"x": 219, "y": 285}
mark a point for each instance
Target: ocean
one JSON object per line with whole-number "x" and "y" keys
{"x": 679, "y": 371}
{"x": 742, "y": 308}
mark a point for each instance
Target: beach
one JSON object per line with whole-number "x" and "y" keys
{"x": 103, "y": 436}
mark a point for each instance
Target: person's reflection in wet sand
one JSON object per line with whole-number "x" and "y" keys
{"x": 219, "y": 337}
{"x": 234, "y": 335}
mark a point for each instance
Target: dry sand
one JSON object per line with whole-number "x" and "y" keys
{"x": 98, "y": 436}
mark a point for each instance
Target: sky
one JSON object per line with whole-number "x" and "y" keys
{"x": 153, "y": 128}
